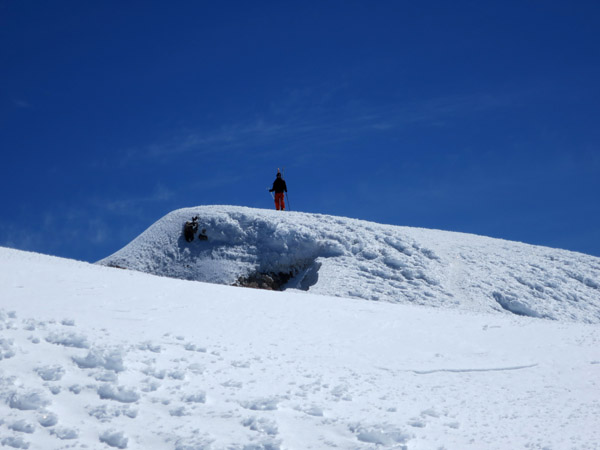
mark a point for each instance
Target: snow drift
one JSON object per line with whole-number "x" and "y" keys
{"x": 100, "y": 358}
{"x": 352, "y": 258}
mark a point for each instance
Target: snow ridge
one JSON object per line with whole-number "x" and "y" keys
{"x": 352, "y": 258}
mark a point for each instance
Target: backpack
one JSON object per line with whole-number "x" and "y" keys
{"x": 190, "y": 229}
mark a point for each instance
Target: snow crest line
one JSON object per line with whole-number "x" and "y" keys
{"x": 493, "y": 369}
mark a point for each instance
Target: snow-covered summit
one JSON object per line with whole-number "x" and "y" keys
{"x": 353, "y": 258}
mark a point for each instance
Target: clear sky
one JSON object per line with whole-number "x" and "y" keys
{"x": 473, "y": 116}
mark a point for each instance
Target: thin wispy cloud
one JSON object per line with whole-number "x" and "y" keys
{"x": 22, "y": 104}
{"x": 131, "y": 205}
{"x": 297, "y": 121}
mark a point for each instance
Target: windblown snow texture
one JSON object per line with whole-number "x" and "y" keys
{"x": 358, "y": 259}
{"x": 99, "y": 358}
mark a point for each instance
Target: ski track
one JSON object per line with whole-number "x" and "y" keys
{"x": 494, "y": 369}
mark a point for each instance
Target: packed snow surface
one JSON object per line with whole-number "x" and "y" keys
{"x": 102, "y": 358}
{"x": 356, "y": 259}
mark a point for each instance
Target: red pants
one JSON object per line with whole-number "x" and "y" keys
{"x": 279, "y": 203}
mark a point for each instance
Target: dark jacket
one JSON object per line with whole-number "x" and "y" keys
{"x": 278, "y": 186}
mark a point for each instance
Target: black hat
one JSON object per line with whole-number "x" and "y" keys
{"x": 278, "y": 174}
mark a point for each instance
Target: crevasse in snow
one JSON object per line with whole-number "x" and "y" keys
{"x": 353, "y": 258}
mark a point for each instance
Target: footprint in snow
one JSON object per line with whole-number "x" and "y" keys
{"x": 149, "y": 346}
{"x": 118, "y": 393}
{"x": 417, "y": 423}
{"x": 50, "y": 373}
{"x": 177, "y": 375}
{"x": 27, "y": 401}
{"x": 54, "y": 390}
{"x": 22, "y": 426}
{"x": 261, "y": 425}
{"x": 155, "y": 373}
{"x": 75, "y": 389}
{"x": 260, "y": 404}
{"x": 194, "y": 348}
{"x": 430, "y": 413}
{"x": 15, "y": 442}
{"x": 179, "y": 412}
{"x": 48, "y": 419}
{"x": 241, "y": 364}
{"x": 150, "y": 386}
{"x": 196, "y": 369}
{"x": 6, "y": 349}
{"x": 29, "y": 325}
{"x": 203, "y": 443}
{"x": 64, "y": 433}
{"x": 314, "y": 410}
{"x": 340, "y": 392}
{"x": 97, "y": 358}
{"x": 68, "y": 339}
{"x": 114, "y": 438}
{"x": 105, "y": 413}
{"x": 383, "y": 434}
{"x": 198, "y": 397}
{"x": 106, "y": 376}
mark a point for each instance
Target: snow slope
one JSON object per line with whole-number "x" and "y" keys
{"x": 99, "y": 358}
{"x": 357, "y": 259}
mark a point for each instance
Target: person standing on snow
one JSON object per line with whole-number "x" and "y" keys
{"x": 279, "y": 187}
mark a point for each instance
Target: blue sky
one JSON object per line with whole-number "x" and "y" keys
{"x": 480, "y": 117}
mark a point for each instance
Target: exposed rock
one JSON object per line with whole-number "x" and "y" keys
{"x": 269, "y": 281}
